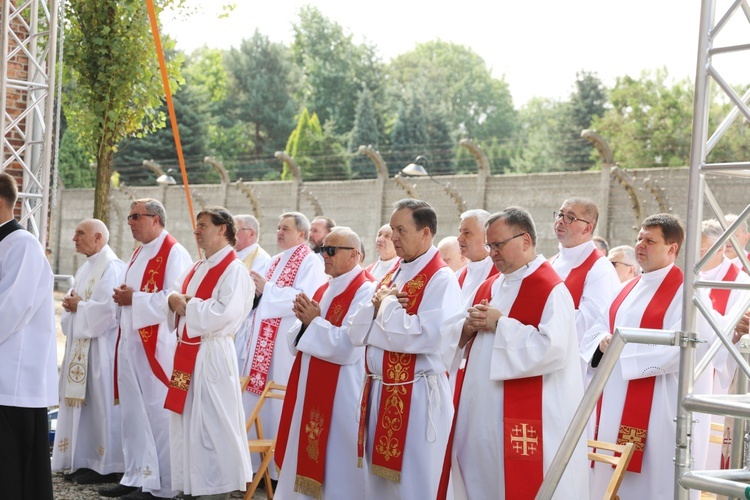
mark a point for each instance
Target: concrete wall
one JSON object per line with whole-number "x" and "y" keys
{"x": 356, "y": 204}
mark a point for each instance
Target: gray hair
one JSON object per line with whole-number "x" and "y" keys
{"x": 628, "y": 256}
{"x": 711, "y": 229}
{"x": 300, "y": 221}
{"x": 477, "y": 213}
{"x": 247, "y": 221}
{"x": 590, "y": 210}
{"x": 153, "y": 207}
{"x": 730, "y": 218}
{"x": 352, "y": 238}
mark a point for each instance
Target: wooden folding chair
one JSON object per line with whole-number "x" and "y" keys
{"x": 265, "y": 447}
{"x": 620, "y": 463}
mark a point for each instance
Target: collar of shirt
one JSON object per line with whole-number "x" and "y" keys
{"x": 659, "y": 274}
{"x": 575, "y": 254}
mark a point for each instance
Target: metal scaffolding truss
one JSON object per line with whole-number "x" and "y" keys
{"x": 29, "y": 42}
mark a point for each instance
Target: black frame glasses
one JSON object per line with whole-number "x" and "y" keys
{"x": 137, "y": 216}
{"x": 331, "y": 251}
{"x": 498, "y": 245}
{"x": 567, "y": 218}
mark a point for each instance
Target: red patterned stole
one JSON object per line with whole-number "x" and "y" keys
{"x": 640, "y": 393}
{"x": 484, "y": 292}
{"x": 187, "y": 348}
{"x": 465, "y": 272}
{"x": 317, "y": 409}
{"x": 395, "y": 399}
{"x": 269, "y": 327}
{"x": 577, "y": 276}
{"x": 152, "y": 282}
{"x": 522, "y": 398}
{"x": 720, "y": 297}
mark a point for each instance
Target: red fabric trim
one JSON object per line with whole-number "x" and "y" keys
{"x": 462, "y": 276}
{"x": 577, "y": 277}
{"x": 720, "y": 297}
{"x": 187, "y": 350}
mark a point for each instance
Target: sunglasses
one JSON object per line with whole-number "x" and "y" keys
{"x": 331, "y": 251}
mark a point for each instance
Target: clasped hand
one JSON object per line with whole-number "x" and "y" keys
{"x": 305, "y": 309}
{"x": 479, "y": 318}
{"x": 178, "y": 303}
{"x": 384, "y": 292}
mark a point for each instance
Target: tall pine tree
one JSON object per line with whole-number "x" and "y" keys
{"x": 365, "y": 132}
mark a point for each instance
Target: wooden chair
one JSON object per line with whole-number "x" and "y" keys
{"x": 619, "y": 463}
{"x": 265, "y": 447}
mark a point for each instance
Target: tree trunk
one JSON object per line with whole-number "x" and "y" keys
{"x": 103, "y": 180}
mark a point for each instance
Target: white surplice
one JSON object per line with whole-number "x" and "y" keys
{"x": 656, "y": 479}
{"x": 513, "y": 351}
{"x": 476, "y": 273}
{"x": 208, "y": 442}
{"x": 28, "y": 345}
{"x": 431, "y": 404}
{"x": 277, "y": 303}
{"x": 260, "y": 265}
{"x": 90, "y": 435}
{"x": 343, "y": 479}
{"x": 145, "y": 421}
{"x": 381, "y": 267}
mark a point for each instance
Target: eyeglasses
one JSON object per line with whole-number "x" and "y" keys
{"x": 136, "y": 216}
{"x": 331, "y": 251}
{"x": 615, "y": 262}
{"x": 498, "y": 245}
{"x": 568, "y": 219}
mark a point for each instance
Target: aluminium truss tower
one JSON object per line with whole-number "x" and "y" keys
{"x": 710, "y": 79}
{"x": 27, "y": 96}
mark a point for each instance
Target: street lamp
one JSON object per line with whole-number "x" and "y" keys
{"x": 417, "y": 168}
{"x": 166, "y": 179}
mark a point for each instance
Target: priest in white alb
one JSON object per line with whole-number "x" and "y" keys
{"x": 87, "y": 436}
{"x": 208, "y": 442}
{"x": 265, "y": 356}
{"x": 471, "y": 240}
{"x": 317, "y": 444}
{"x": 386, "y": 253}
{"x": 639, "y": 402}
{"x": 518, "y": 381}
{"x": 406, "y": 404}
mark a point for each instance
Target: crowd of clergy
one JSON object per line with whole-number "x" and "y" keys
{"x": 438, "y": 371}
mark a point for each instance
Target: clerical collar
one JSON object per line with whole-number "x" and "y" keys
{"x": 718, "y": 272}
{"x": 345, "y": 278}
{"x": 415, "y": 259}
{"x": 219, "y": 254}
{"x": 572, "y": 254}
{"x": 657, "y": 274}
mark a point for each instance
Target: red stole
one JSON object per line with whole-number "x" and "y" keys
{"x": 187, "y": 348}
{"x": 484, "y": 292}
{"x": 640, "y": 394}
{"x": 465, "y": 272}
{"x": 317, "y": 409}
{"x": 152, "y": 282}
{"x": 720, "y": 297}
{"x": 269, "y": 327}
{"x": 577, "y": 276}
{"x": 522, "y": 399}
{"x": 395, "y": 399}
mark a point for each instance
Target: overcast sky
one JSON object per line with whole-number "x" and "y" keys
{"x": 536, "y": 46}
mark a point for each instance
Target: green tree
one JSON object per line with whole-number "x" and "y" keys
{"x": 365, "y": 132}
{"x": 334, "y": 69}
{"x": 261, "y": 84}
{"x": 540, "y": 137}
{"x": 410, "y": 134}
{"x": 317, "y": 150}
{"x": 586, "y": 103}
{"x": 74, "y": 163}
{"x": 115, "y": 88}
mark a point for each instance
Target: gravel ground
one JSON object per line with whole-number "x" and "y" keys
{"x": 65, "y": 490}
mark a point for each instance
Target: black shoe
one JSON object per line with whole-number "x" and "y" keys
{"x": 117, "y": 491}
{"x": 139, "y": 495}
{"x": 93, "y": 477}
{"x": 72, "y": 475}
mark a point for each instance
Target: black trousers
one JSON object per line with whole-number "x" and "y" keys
{"x": 25, "y": 470}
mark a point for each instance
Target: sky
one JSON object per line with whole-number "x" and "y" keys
{"x": 535, "y": 46}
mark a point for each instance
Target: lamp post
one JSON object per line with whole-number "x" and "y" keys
{"x": 418, "y": 168}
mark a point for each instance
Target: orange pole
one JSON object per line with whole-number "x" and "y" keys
{"x": 170, "y": 107}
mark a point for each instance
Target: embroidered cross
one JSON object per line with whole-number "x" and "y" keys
{"x": 633, "y": 435}
{"x": 524, "y": 439}
{"x": 63, "y": 445}
{"x": 146, "y": 472}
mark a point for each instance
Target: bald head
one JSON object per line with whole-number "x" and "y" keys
{"x": 450, "y": 252}
{"x": 90, "y": 236}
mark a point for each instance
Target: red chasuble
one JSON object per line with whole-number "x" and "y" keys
{"x": 269, "y": 327}
{"x": 720, "y": 297}
{"x": 187, "y": 348}
{"x": 465, "y": 272}
{"x": 640, "y": 393}
{"x": 577, "y": 276}
{"x": 484, "y": 292}
{"x": 395, "y": 398}
{"x": 317, "y": 409}
{"x": 152, "y": 282}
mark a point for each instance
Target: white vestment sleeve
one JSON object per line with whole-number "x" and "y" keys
{"x": 360, "y": 323}
{"x": 523, "y": 351}
{"x": 93, "y": 317}
{"x": 277, "y": 301}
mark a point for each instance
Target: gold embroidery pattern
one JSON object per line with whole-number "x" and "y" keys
{"x": 413, "y": 288}
{"x": 101, "y": 451}
{"x": 150, "y": 286}
{"x": 180, "y": 380}
{"x": 63, "y": 445}
{"x": 633, "y": 435}
{"x": 145, "y": 333}
{"x": 313, "y": 428}
{"x": 524, "y": 439}
{"x": 393, "y": 415}
{"x": 336, "y": 313}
